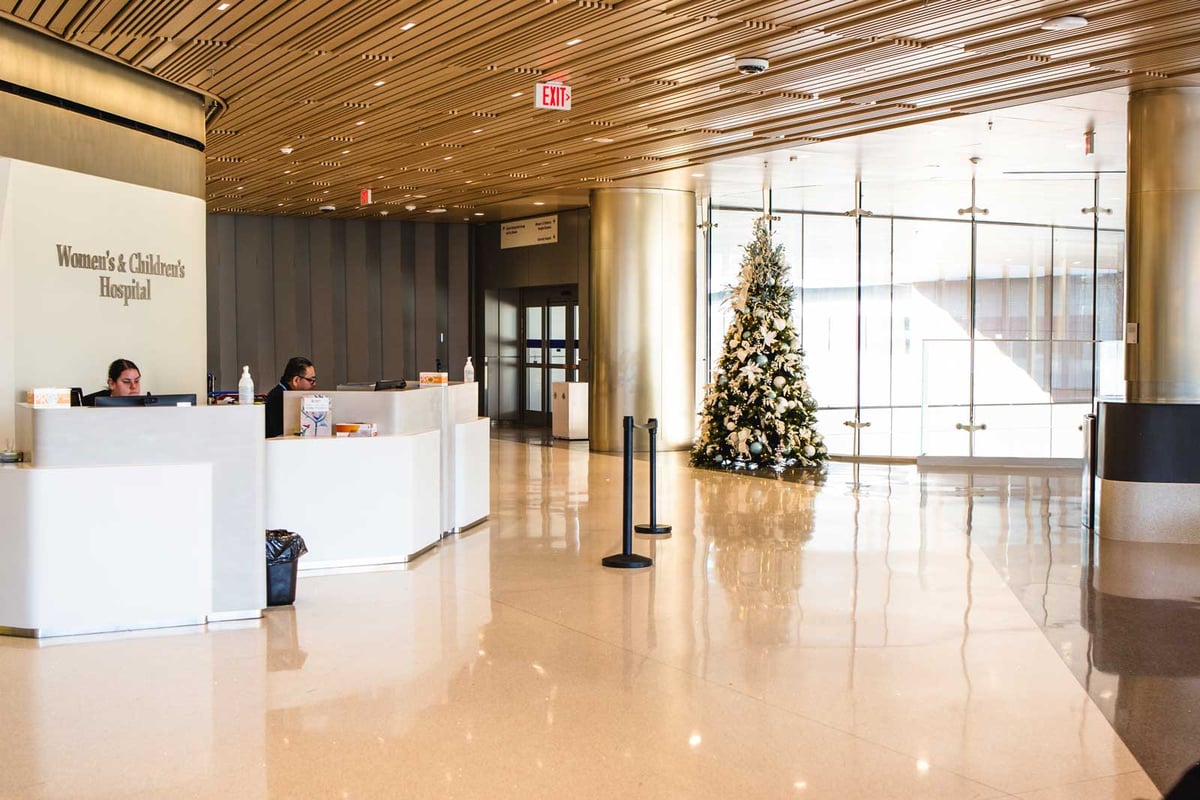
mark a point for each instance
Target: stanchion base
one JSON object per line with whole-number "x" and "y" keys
{"x": 653, "y": 530}
{"x": 623, "y": 561}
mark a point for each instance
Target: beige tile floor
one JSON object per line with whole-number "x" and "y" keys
{"x": 871, "y": 637}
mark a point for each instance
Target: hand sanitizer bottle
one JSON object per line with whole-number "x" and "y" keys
{"x": 246, "y": 388}
{"x": 469, "y": 371}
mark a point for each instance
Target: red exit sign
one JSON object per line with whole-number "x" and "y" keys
{"x": 554, "y": 96}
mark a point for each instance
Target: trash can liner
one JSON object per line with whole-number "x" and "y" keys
{"x": 284, "y": 546}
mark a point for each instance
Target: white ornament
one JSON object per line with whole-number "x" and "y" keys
{"x": 779, "y": 382}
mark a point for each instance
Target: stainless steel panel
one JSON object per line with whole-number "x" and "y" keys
{"x": 1164, "y": 246}
{"x": 643, "y": 315}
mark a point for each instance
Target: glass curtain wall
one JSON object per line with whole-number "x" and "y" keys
{"x": 934, "y": 332}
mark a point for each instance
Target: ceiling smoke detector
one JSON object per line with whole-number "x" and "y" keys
{"x": 1067, "y": 23}
{"x": 752, "y": 66}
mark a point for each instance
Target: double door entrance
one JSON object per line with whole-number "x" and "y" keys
{"x": 550, "y": 347}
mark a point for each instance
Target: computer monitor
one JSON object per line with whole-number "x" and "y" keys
{"x": 399, "y": 383}
{"x": 147, "y": 401}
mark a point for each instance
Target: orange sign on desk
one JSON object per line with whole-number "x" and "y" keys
{"x": 435, "y": 378}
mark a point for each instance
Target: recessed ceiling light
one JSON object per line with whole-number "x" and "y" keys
{"x": 447, "y": 158}
{"x": 574, "y": 42}
{"x": 479, "y": 213}
{"x": 345, "y": 152}
{"x": 1065, "y": 23}
{"x": 286, "y": 150}
{"x": 279, "y": 204}
{"x": 516, "y": 94}
{"x": 380, "y": 83}
{"x": 379, "y": 176}
{"x": 470, "y": 181}
{"x": 419, "y": 196}
{"x": 603, "y": 140}
{"x": 538, "y": 203}
{"x": 287, "y": 172}
{"x": 407, "y": 26}
{"x": 223, "y": 6}
{"x": 477, "y": 130}
{"x": 383, "y": 213}
{"x": 240, "y": 188}
{"x": 361, "y": 122}
{"x": 437, "y": 211}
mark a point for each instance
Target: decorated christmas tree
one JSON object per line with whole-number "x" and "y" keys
{"x": 758, "y": 411}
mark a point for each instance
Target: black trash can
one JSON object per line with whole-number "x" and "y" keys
{"x": 284, "y": 549}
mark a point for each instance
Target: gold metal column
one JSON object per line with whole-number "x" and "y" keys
{"x": 1163, "y": 304}
{"x": 643, "y": 312}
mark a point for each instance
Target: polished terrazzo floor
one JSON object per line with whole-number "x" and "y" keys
{"x": 888, "y": 634}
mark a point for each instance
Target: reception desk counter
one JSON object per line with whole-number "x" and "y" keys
{"x": 128, "y": 518}
{"x": 383, "y": 499}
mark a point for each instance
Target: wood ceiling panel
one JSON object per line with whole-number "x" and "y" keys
{"x": 654, "y": 82}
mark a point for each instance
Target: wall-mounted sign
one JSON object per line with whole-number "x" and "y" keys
{"x": 526, "y": 232}
{"x": 555, "y": 96}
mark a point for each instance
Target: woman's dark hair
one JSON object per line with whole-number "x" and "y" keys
{"x": 120, "y": 365}
{"x": 296, "y": 367}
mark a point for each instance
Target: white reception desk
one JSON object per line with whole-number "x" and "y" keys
{"x": 388, "y": 498}
{"x": 126, "y": 518}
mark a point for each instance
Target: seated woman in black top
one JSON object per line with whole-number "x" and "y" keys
{"x": 124, "y": 380}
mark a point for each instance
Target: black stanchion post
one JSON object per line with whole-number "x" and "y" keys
{"x": 653, "y": 528}
{"x": 627, "y": 559}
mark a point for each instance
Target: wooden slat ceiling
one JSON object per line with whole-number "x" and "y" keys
{"x": 654, "y": 83}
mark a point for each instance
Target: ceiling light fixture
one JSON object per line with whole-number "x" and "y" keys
{"x": 477, "y": 130}
{"x": 574, "y": 42}
{"x": 1065, "y": 23}
{"x": 437, "y": 211}
{"x": 407, "y": 26}
{"x": 479, "y": 213}
{"x": 603, "y": 140}
{"x": 223, "y": 6}
{"x": 286, "y": 150}
{"x": 538, "y": 203}
{"x": 516, "y": 94}
{"x": 379, "y": 83}
{"x": 447, "y": 158}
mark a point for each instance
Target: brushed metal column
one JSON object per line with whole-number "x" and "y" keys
{"x": 643, "y": 311}
{"x": 1163, "y": 299}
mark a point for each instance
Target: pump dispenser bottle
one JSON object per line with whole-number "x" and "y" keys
{"x": 246, "y": 388}
{"x": 469, "y": 371}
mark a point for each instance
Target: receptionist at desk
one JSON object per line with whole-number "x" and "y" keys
{"x": 124, "y": 380}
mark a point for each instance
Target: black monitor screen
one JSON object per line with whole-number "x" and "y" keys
{"x": 399, "y": 383}
{"x": 147, "y": 401}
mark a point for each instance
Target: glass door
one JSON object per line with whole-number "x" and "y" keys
{"x": 551, "y": 354}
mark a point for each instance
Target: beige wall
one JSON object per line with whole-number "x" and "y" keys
{"x": 58, "y": 328}
{"x": 47, "y": 133}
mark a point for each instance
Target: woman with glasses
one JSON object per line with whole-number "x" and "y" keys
{"x": 298, "y": 375}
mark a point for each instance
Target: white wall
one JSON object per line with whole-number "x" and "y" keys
{"x": 56, "y": 328}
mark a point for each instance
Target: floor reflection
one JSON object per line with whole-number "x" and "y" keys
{"x": 1124, "y": 617}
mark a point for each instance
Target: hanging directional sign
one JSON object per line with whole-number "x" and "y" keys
{"x": 555, "y": 96}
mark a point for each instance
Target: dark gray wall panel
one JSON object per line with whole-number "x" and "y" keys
{"x": 458, "y": 297}
{"x": 395, "y": 292}
{"x": 358, "y": 366}
{"x": 344, "y": 293}
{"x": 426, "y": 317}
{"x": 322, "y": 321}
